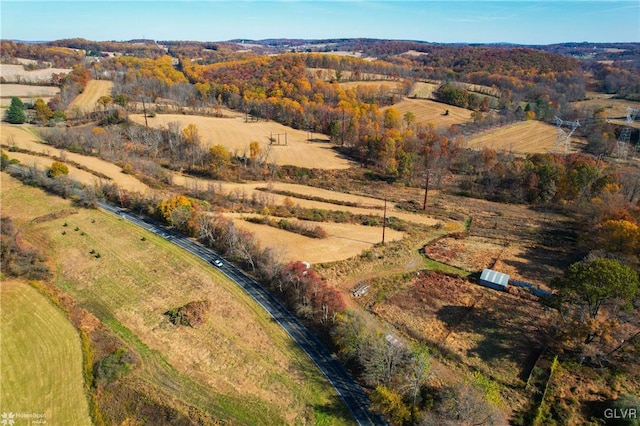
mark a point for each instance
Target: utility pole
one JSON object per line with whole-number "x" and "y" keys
{"x": 144, "y": 110}
{"x": 384, "y": 219}
{"x": 426, "y": 190}
{"x": 342, "y": 130}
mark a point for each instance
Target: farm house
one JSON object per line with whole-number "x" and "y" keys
{"x": 493, "y": 279}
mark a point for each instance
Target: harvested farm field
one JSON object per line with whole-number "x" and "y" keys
{"x": 87, "y": 101}
{"x": 614, "y": 110}
{"x": 26, "y": 92}
{"x": 343, "y": 240}
{"x": 422, "y": 90}
{"x": 235, "y": 134}
{"x": 41, "y": 359}
{"x": 428, "y": 111}
{"x": 24, "y": 138}
{"x": 525, "y": 137}
{"x": 17, "y": 74}
{"x": 44, "y": 163}
{"x": 324, "y": 199}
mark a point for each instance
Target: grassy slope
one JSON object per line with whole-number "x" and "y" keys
{"x": 239, "y": 366}
{"x": 41, "y": 358}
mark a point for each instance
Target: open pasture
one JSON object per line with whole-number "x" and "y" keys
{"x": 248, "y": 367}
{"x": 41, "y": 359}
{"x": 235, "y": 134}
{"x": 87, "y": 101}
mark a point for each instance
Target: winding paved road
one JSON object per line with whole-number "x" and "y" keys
{"x": 351, "y": 393}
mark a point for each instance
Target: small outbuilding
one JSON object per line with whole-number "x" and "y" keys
{"x": 493, "y": 279}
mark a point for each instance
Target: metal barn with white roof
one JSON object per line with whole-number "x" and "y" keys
{"x": 493, "y": 279}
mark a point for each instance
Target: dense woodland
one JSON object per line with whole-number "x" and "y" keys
{"x": 602, "y": 196}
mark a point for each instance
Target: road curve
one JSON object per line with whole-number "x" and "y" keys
{"x": 351, "y": 393}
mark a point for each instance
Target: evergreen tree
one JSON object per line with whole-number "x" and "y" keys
{"x": 15, "y": 113}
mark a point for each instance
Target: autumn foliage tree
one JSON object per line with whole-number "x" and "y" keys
{"x": 178, "y": 211}
{"x": 58, "y": 169}
{"x": 590, "y": 285}
{"x": 218, "y": 158}
{"x": 43, "y": 112}
{"x": 619, "y": 236}
{"x": 313, "y": 297}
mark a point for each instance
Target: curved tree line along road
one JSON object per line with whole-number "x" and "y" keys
{"x": 351, "y": 393}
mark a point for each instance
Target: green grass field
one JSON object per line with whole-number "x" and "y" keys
{"x": 41, "y": 359}
{"x": 238, "y": 366}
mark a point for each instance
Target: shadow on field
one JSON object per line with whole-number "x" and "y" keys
{"x": 497, "y": 335}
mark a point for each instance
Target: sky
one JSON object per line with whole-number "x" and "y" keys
{"x": 480, "y": 21}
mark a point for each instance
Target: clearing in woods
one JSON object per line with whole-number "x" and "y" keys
{"x": 493, "y": 332}
{"x": 87, "y": 101}
{"x": 614, "y": 110}
{"x": 41, "y": 359}
{"x": 427, "y": 111}
{"x": 245, "y": 368}
{"x": 423, "y": 90}
{"x": 377, "y": 85}
{"x": 235, "y": 134}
